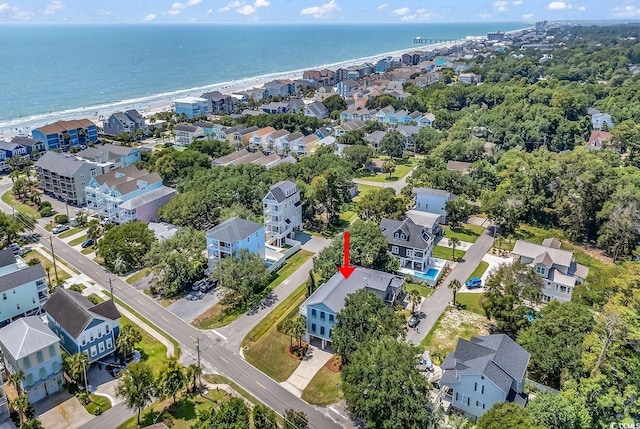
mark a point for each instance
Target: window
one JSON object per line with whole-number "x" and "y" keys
{"x": 456, "y": 396}
{"x": 91, "y": 337}
{"x": 475, "y": 387}
{"x": 106, "y": 328}
{"x": 26, "y": 362}
{"x": 109, "y": 343}
{"x": 477, "y": 404}
{"x": 331, "y": 318}
{"x": 394, "y": 249}
{"x": 93, "y": 351}
{"x": 84, "y": 341}
{"x": 313, "y": 327}
{"x": 482, "y": 390}
{"x": 4, "y": 295}
{"x": 468, "y": 401}
{"x": 101, "y": 347}
{"x": 409, "y": 253}
{"x": 39, "y": 356}
{"x": 52, "y": 351}
{"x": 313, "y": 312}
{"x": 322, "y": 330}
{"x": 322, "y": 315}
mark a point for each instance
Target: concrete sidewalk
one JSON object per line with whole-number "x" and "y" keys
{"x": 315, "y": 359}
{"x": 463, "y": 245}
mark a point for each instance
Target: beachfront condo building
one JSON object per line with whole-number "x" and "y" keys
{"x": 282, "y": 212}
{"x": 23, "y": 288}
{"x": 127, "y": 194}
{"x": 191, "y": 106}
{"x": 124, "y": 122}
{"x": 219, "y": 103}
{"x": 66, "y": 134}
{"x": 228, "y": 238}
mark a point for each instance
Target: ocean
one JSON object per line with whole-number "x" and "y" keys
{"x": 58, "y": 71}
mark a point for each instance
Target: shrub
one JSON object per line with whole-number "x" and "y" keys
{"x": 44, "y": 204}
{"x": 46, "y": 211}
{"x": 61, "y": 218}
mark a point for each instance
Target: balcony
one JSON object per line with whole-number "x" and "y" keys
{"x": 41, "y": 285}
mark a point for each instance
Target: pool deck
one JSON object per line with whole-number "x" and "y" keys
{"x": 437, "y": 265}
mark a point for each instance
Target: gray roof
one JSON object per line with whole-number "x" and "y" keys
{"x": 148, "y": 197}
{"x": 223, "y": 160}
{"x": 375, "y": 137}
{"x": 426, "y": 219}
{"x": 74, "y": 312}
{"x": 234, "y": 229}
{"x": 186, "y": 127}
{"x": 280, "y": 189}
{"x": 333, "y": 292}
{"x": 26, "y": 336}
{"x": 203, "y": 124}
{"x": 279, "y": 133}
{"x": 416, "y": 235}
{"x": 214, "y": 95}
{"x": 434, "y": 192}
{"x": 543, "y": 254}
{"x": 20, "y": 277}
{"x": 11, "y": 146}
{"x": 497, "y": 357}
{"x": 134, "y": 115}
{"x": 25, "y": 141}
{"x": 117, "y": 149}
{"x": 124, "y": 119}
{"x": 91, "y": 152}
{"x": 7, "y": 257}
{"x": 63, "y": 165}
{"x": 294, "y": 136}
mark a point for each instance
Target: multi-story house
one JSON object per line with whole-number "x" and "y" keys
{"x": 322, "y": 307}
{"x": 307, "y": 145}
{"x": 316, "y": 110}
{"x": 259, "y": 137}
{"x": 14, "y": 151}
{"x": 282, "y": 212}
{"x": 470, "y": 78}
{"x": 385, "y": 114}
{"x": 33, "y": 146}
{"x": 481, "y": 372}
{"x": 274, "y": 107}
{"x": 124, "y": 122}
{"x": 279, "y": 88}
{"x": 187, "y": 133}
{"x": 191, "y": 106}
{"x": 432, "y": 201}
{"x": 229, "y": 237}
{"x": 342, "y": 129}
{"x": 82, "y": 326}
{"x": 410, "y": 243}
{"x": 289, "y": 142}
{"x": 598, "y": 139}
{"x": 64, "y": 134}
{"x": 219, "y": 104}
{"x": 323, "y": 78}
{"x": 28, "y": 345}
{"x": 207, "y": 128}
{"x": 23, "y": 288}
{"x": 115, "y": 155}
{"x": 599, "y": 119}
{"x": 558, "y": 268}
{"x": 127, "y": 194}
{"x": 347, "y": 88}
{"x": 65, "y": 176}
{"x": 275, "y": 141}
{"x": 4, "y": 165}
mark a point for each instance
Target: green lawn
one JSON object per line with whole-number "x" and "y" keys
{"x": 466, "y": 232}
{"x": 348, "y": 216}
{"x": 9, "y": 198}
{"x": 47, "y": 264}
{"x": 88, "y": 250}
{"x": 70, "y": 232}
{"x": 363, "y": 189}
{"x": 289, "y": 267}
{"x": 471, "y": 302}
{"x": 401, "y": 171}
{"x": 425, "y": 291}
{"x": 444, "y": 252}
{"x": 135, "y": 278}
{"x": 78, "y": 240}
{"x": 152, "y": 351}
{"x": 322, "y": 389}
{"x": 480, "y": 269}
{"x": 97, "y": 401}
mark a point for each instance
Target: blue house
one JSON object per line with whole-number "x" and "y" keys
{"x": 322, "y": 307}
{"x": 64, "y": 134}
{"x": 83, "y": 327}
{"x": 232, "y": 235}
{"x": 208, "y": 128}
{"x": 33, "y": 146}
{"x": 13, "y": 150}
{"x": 191, "y": 106}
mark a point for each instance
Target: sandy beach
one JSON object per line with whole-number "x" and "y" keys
{"x": 149, "y": 105}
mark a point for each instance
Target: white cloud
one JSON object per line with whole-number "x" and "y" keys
{"x": 104, "y": 12}
{"x": 626, "y": 11}
{"x": 149, "y": 17}
{"x": 383, "y": 6}
{"x": 210, "y": 11}
{"x": 247, "y": 9}
{"x": 401, "y": 11}
{"x": 582, "y": 8}
{"x": 559, "y": 5}
{"x": 177, "y": 6}
{"x": 516, "y": 2}
{"x": 21, "y": 15}
{"x": 224, "y": 9}
{"x": 173, "y": 12}
{"x": 261, "y": 3}
{"x": 484, "y": 15}
{"x": 4, "y": 6}
{"x": 419, "y": 15}
{"x": 500, "y": 6}
{"x": 527, "y": 16}
{"x": 323, "y": 11}
{"x": 53, "y": 7}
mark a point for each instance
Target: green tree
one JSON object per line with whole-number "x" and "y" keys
{"x": 455, "y": 286}
{"x": 193, "y": 372}
{"x": 382, "y": 385}
{"x": 334, "y": 102}
{"x": 389, "y": 167}
{"x": 127, "y": 339}
{"x": 413, "y": 298}
{"x": 381, "y": 203}
{"x": 136, "y": 387}
{"x": 392, "y": 144}
{"x": 558, "y": 412}
{"x": 264, "y": 417}
{"x": 454, "y": 242}
{"x": 21, "y": 405}
{"x": 32, "y": 423}
{"x": 75, "y": 366}
{"x": 458, "y": 210}
{"x": 94, "y": 230}
{"x": 298, "y": 328}
{"x": 295, "y": 419}
{"x": 242, "y": 279}
{"x": 233, "y": 414}
{"x": 506, "y": 415}
{"x": 364, "y": 317}
{"x": 171, "y": 379}
{"x": 130, "y": 241}
{"x": 15, "y": 379}
{"x": 358, "y": 156}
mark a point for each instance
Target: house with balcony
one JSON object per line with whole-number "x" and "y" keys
{"x": 124, "y": 122}
{"x": 322, "y": 307}
{"x": 14, "y": 151}
{"x": 34, "y": 147}
{"x": 65, "y": 134}
{"x": 347, "y": 88}
{"x": 432, "y": 201}
{"x": 82, "y": 326}
{"x": 316, "y": 110}
{"x": 409, "y": 242}
{"x": 115, "y": 155}
{"x": 219, "y": 103}
{"x": 28, "y": 345}
{"x": 127, "y": 194}
{"x": 191, "y": 106}
{"x": 558, "y": 268}
{"x": 289, "y": 143}
{"x": 282, "y": 212}
{"x": 483, "y": 371}
{"x": 342, "y": 129}
{"x": 307, "y": 145}
{"x": 187, "y": 133}
{"x": 207, "y": 128}
{"x": 259, "y": 137}
{"x": 23, "y": 288}
{"x": 229, "y": 237}
{"x": 276, "y": 141}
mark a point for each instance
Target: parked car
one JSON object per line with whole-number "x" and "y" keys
{"x": 88, "y": 242}
{"x": 24, "y": 250}
{"x": 15, "y": 248}
{"x": 207, "y": 285}
{"x": 413, "y": 321}
{"x": 473, "y": 283}
{"x": 59, "y": 228}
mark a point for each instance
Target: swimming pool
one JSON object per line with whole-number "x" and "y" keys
{"x": 431, "y": 274}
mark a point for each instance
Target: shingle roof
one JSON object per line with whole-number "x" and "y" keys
{"x": 537, "y": 252}
{"x": 431, "y": 191}
{"x": 25, "y": 141}
{"x": 126, "y": 171}
{"x": 234, "y": 229}
{"x": 7, "y": 257}
{"x": 426, "y": 219}
{"x": 61, "y": 127}
{"x": 223, "y": 160}
{"x": 64, "y": 165}
{"x": 74, "y": 312}
{"x": 20, "y": 277}
{"x": 26, "y": 336}
{"x": 279, "y": 133}
{"x": 186, "y": 127}
{"x": 10, "y": 146}
{"x": 417, "y": 236}
{"x": 280, "y": 189}
{"x": 117, "y": 149}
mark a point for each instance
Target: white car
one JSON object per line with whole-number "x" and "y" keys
{"x": 59, "y": 228}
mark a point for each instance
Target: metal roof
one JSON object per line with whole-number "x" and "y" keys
{"x": 25, "y": 336}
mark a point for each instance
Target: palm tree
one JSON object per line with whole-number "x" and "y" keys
{"x": 119, "y": 265}
{"x": 287, "y": 329}
{"x": 193, "y": 372}
{"x": 15, "y": 380}
{"x": 21, "y": 405}
{"x": 74, "y": 366}
{"x": 414, "y": 298}
{"x": 298, "y": 328}
{"x": 454, "y": 242}
{"x": 454, "y": 285}
{"x": 127, "y": 339}
{"x": 32, "y": 423}
{"x": 457, "y": 422}
{"x": 311, "y": 283}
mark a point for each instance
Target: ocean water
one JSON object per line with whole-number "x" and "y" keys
{"x": 49, "y": 71}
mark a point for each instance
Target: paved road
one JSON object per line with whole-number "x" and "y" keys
{"x": 215, "y": 355}
{"x": 437, "y": 303}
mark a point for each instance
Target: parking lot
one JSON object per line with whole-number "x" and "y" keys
{"x": 188, "y": 309}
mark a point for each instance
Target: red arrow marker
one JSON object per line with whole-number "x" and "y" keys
{"x": 346, "y": 270}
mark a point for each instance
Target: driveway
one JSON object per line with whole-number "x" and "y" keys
{"x": 315, "y": 359}
{"x": 62, "y": 411}
{"x": 189, "y": 310}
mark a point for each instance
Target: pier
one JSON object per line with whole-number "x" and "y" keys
{"x": 422, "y": 41}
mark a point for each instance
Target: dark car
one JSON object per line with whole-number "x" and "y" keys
{"x": 88, "y": 242}
{"x": 473, "y": 283}
{"x": 413, "y": 321}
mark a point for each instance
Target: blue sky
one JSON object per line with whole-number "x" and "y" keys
{"x": 316, "y": 11}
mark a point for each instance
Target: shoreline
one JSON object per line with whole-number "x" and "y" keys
{"x": 148, "y": 105}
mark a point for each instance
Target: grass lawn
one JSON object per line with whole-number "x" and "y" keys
{"x": 424, "y": 291}
{"x": 480, "y": 269}
{"x": 471, "y": 302}
{"x": 348, "y": 216}
{"x": 78, "y": 240}
{"x": 321, "y": 390}
{"x": 291, "y": 265}
{"x": 9, "y": 198}
{"x": 135, "y": 278}
{"x": 152, "y": 351}
{"x": 221, "y": 379}
{"x": 97, "y": 401}
{"x": 363, "y": 189}
{"x": 88, "y": 250}
{"x": 69, "y": 233}
{"x": 399, "y": 173}
{"x": 47, "y": 264}
{"x": 466, "y": 232}
{"x": 444, "y": 252}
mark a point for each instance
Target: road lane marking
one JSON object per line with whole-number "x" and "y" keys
{"x": 258, "y": 383}
{"x": 193, "y": 338}
{"x": 224, "y": 360}
{"x": 219, "y": 334}
{"x": 165, "y": 319}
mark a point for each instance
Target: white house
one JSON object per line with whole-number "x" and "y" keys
{"x": 187, "y": 133}
{"x": 481, "y": 372}
{"x": 557, "y": 267}
{"x": 409, "y": 242}
{"x": 432, "y": 201}
{"x": 282, "y": 212}
{"x": 23, "y": 288}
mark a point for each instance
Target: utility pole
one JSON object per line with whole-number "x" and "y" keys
{"x": 199, "y": 365}
{"x": 53, "y": 256}
{"x": 111, "y": 288}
